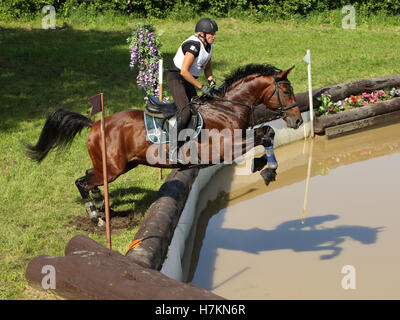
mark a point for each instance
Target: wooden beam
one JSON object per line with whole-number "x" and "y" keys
{"x": 91, "y": 271}
{"x": 161, "y": 218}
{"x": 371, "y": 110}
{"x": 383, "y": 119}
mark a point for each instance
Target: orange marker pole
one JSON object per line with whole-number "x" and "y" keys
{"x": 105, "y": 175}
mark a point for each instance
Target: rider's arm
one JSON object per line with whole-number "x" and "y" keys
{"x": 208, "y": 71}
{"x": 185, "y": 73}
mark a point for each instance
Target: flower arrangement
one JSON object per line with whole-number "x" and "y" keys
{"x": 354, "y": 101}
{"x": 328, "y": 106}
{"x": 145, "y": 53}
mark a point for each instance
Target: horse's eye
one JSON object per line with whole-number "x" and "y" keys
{"x": 289, "y": 90}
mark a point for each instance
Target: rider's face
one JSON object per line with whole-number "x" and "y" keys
{"x": 211, "y": 37}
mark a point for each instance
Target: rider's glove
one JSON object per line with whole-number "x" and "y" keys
{"x": 211, "y": 82}
{"x": 207, "y": 91}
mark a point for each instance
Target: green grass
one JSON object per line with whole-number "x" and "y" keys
{"x": 41, "y": 70}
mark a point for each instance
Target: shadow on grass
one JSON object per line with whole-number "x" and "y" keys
{"x": 125, "y": 219}
{"x": 41, "y": 70}
{"x": 123, "y": 196}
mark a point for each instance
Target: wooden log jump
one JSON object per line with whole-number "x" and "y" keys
{"x": 91, "y": 271}
{"x": 383, "y": 119}
{"x": 371, "y": 110}
{"x": 161, "y": 219}
{"x": 344, "y": 90}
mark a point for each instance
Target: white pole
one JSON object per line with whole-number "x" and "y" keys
{"x": 160, "y": 73}
{"x": 310, "y": 97}
{"x": 160, "y": 88}
{"x": 307, "y": 59}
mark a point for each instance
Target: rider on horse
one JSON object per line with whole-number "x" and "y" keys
{"x": 192, "y": 58}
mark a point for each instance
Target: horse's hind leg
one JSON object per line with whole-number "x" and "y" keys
{"x": 97, "y": 197}
{"x": 83, "y": 186}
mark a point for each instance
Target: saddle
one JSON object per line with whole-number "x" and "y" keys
{"x": 158, "y": 109}
{"x": 160, "y": 115}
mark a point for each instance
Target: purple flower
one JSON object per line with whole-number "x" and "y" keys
{"x": 143, "y": 50}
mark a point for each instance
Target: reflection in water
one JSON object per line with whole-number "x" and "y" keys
{"x": 254, "y": 228}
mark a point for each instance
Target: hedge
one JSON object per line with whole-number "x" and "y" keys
{"x": 218, "y": 8}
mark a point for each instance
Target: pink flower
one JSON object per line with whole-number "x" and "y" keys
{"x": 366, "y": 95}
{"x": 365, "y": 103}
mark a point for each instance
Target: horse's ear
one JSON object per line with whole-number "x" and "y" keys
{"x": 284, "y": 74}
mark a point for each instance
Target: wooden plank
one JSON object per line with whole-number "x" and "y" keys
{"x": 91, "y": 271}
{"x": 387, "y": 118}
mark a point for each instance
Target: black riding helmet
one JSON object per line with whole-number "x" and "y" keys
{"x": 206, "y": 25}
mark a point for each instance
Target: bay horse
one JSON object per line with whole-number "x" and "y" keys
{"x": 251, "y": 94}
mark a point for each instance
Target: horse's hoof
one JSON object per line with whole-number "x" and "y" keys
{"x": 268, "y": 175}
{"x": 259, "y": 163}
{"x": 101, "y": 223}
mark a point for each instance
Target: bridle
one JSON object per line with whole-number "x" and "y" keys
{"x": 281, "y": 113}
{"x": 282, "y": 109}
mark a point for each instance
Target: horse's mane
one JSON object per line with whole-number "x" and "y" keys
{"x": 244, "y": 71}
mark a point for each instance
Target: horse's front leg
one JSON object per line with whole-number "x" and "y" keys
{"x": 267, "y": 140}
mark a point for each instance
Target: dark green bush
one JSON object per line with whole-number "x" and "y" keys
{"x": 264, "y": 9}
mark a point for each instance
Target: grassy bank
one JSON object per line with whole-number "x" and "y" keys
{"x": 40, "y": 70}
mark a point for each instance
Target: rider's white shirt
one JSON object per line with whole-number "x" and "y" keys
{"x": 199, "y": 62}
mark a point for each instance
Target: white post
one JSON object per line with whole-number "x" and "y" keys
{"x": 160, "y": 81}
{"x": 307, "y": 59}
{"x": 160, "y": 77}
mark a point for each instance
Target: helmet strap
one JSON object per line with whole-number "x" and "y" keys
{"x": 204, "y": 38}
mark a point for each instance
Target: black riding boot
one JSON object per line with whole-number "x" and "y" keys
{"x": 175, "y": 144}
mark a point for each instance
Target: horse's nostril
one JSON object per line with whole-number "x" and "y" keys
{"x": 299, "y": 122}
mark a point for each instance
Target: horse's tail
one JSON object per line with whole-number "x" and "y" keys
{"x": 60, "y": 129}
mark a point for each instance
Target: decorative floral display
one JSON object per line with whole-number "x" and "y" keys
{"x": 354, "y": 101}
{"x": 145, "y": 53}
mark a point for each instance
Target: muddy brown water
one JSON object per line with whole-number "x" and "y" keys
{"x": 255, "y": 242}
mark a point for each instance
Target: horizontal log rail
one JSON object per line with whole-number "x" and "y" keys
{"x": 371, "y": 110}
{"x": 90, "y": 271}
{"x": 344, "y": 90}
